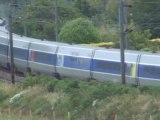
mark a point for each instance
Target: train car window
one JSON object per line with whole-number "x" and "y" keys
{"x": 109, "y": 65}
{"x": 77, "y": 62}
{"x": 149, "y": 71}
{"x": 45, "y": 58}
{"x": 157, "y": 71}
{"x": 73, "y": 59}
{"x": 152, "y": 70}
{"x": 20, "y": 53}
{"x": 106, "y": 66}
{"x": 3, "y": 49}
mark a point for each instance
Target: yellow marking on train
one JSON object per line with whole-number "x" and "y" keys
{"x": 133, "y": 70}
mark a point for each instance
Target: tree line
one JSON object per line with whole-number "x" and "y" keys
{"x": 86, "y": 21}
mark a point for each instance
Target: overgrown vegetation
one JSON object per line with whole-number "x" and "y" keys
{"x": 79, "y": 100}
{"x": 36, "y": 18}
{"x": 78, "y": 31}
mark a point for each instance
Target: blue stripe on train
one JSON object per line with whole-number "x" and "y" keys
{"x": 149, "y": 71}
{"x": 21, "y": 53}
{"x": 109, "y": 67}
{"x": 106, "y": 66}
{"x": 42, "y": 57}
{"x": 97, "y": 65}
{"x": 77, "y": 62}
{"x": 3, "y": 49}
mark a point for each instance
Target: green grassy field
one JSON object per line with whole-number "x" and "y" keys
{"x": 48, "y": 99}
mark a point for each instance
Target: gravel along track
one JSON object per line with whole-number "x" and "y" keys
{"x": 5, "y": 76}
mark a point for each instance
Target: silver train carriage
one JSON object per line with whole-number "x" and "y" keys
{"x": 44, "y": 57}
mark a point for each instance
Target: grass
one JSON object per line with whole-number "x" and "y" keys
{"x": 49, "y": 98}
{"x": 15, "y": 117}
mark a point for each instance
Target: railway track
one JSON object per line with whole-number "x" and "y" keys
{"x": 5, "y": 76}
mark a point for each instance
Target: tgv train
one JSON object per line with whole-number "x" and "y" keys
{"x": 64, "y": 60}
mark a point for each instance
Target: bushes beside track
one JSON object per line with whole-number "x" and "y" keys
{"x": 80, "y": 99}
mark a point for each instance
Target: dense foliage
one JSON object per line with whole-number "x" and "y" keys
{"x": 36, "y": 18}
{"x": 139, "y": 39}
{"x": 79, "y": 31}
{"x": 148, "y": 17}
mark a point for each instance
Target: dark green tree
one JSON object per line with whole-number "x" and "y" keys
{"x": 112, "y": 10}
{"x": 80, "y": 30}
{"x": 3, "y": 1}
{"x": 138, "y": 39}
{"x": 145, "y": 13}
{"x": 38, "y": 16}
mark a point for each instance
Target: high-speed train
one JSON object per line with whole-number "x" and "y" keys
{"x": 64, "y": 60}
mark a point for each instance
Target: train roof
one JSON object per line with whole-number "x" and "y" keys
{"x": 143, "y": 52}
{"x": 4, "y": 32}
{"x": 24, "y": 38}
{"x": 118, "y": 50}
{"x": 55, "y": 43}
